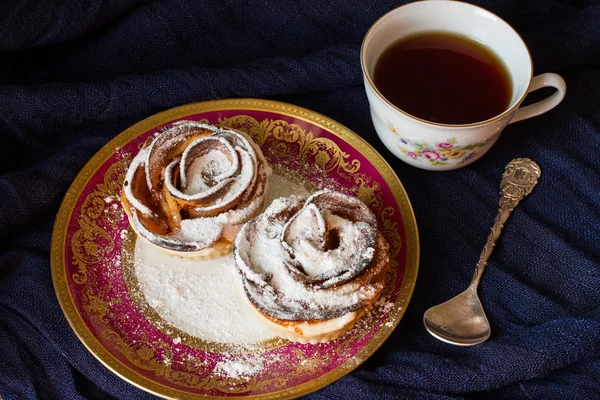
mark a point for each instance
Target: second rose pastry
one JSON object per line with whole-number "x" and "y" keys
{"x": 312, "y": 268}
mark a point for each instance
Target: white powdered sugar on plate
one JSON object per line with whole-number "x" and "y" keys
{"x": 235, "y": 368}
{"x": 200, "y": 297}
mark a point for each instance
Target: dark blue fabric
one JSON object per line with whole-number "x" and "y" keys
{"x": 74, "y": 74}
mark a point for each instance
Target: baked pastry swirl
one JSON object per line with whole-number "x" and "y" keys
{"x": 311, "y": 268}
{"x": 191, "y": 187}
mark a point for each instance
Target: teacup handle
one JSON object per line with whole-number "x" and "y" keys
{"x": 538, "y": 82}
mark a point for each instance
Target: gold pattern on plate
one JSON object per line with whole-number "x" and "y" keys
{"x": 327, "y": 154}
{"x": 156, "y": 357}
{"x": 96, "y": 305}
{"x": 295, "y": 178}
{"x": 309, "y": 364}
{"x": 91, "y": 243}
{"x": 290, "y": 139}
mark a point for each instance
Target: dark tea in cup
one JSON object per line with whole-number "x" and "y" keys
{"x": 443, "y": 77}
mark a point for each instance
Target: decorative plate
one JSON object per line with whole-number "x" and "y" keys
{"x": 91, "y": 275}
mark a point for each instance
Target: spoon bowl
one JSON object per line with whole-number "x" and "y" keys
{"x": 460, "y": 320}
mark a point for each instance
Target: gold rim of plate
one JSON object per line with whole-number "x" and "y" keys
{"x": 59, "y": 236}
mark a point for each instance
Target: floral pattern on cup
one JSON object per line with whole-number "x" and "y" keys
{"x": 441, "y": 153}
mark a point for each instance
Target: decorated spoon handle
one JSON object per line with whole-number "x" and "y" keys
{"x": 519, "y": 178}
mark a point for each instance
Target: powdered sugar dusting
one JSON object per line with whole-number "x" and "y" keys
{"x": 203, "y": 230}
{"x": 200, "y": 297}
{"x": 315, "y": 261}
{"x": 277, "y": 271}
{"x": 227, "y": 177}
{"x": 197, "y": 297}
{"x": 235, "y": 368}
{"x": 205, "y": 168}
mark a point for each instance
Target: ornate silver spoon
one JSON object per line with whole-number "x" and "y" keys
{"x": 461, "y": 320}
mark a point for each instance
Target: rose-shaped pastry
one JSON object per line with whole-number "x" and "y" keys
{"x": 311, "y": 268}
{"x": 191, "y": 187}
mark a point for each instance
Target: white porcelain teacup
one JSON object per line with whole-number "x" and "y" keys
{"x": 435, "y": 146}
